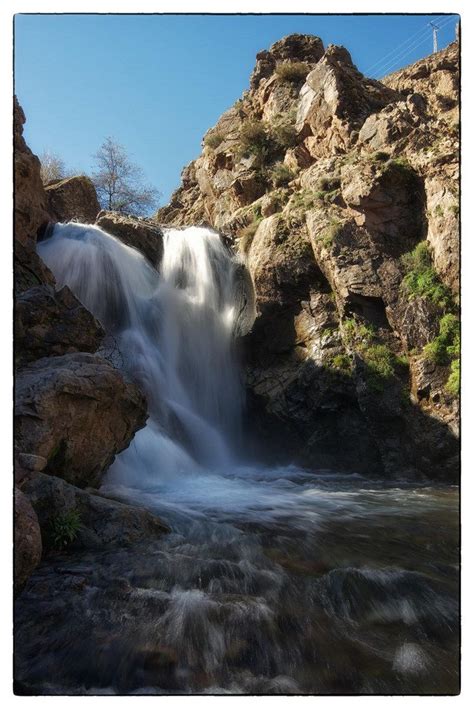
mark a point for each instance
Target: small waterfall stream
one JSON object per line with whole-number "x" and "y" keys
{"x": 273, "y": 580}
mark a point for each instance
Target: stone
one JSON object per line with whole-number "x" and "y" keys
{"x": 294, "y": 47}
{"x": 103, "y": 522}
{"x": 31, "y": 215}
{"x": 73, "y": 199}
{"x": 78, "y": 412}
{"x": 28, "y": 545}
{"x": 50, "y": 322}
{"x": 335, "y": 101}
{"x": 387, "y": 198}
{"x": 29, "y": 269}
{"x": 139, "y": 233}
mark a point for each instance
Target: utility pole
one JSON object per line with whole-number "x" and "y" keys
{"x": 435, "y": 37}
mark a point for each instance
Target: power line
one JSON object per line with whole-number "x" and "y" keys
{"x": 386, "y": 57}
{"x": 387, "y": 66}
{"x": 412, "y": 42}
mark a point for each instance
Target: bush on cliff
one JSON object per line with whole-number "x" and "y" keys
{"x": 421, "y": 280}
{"x": 292, "y": 72}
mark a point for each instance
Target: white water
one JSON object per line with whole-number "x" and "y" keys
{"x": 175, "y": 330}
{"x": 272, "y": 579}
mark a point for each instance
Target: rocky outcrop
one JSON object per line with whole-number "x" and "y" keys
{"x": 328, "y": 184}
{"x": 78, "y": 412}
{"x": 335, "y": 101}
{"x": 29, "y": 269}
{"x": 28, "y": 546}
{"x": 293, "y": 48}
{"x": 142, "y": 234}
{"x": 31, "y": 207}
{"x": 102, "y": 522}
{"x": 73, "y": 198}
{"x": 50, "y": 322}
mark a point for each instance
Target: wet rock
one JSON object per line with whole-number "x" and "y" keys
{"x": 103, "y": 522}
{"x": 77, "y": 411}
{"x": 28, "y": 546}
{"x": 142, "y": 234}
{"x": 73, "y": 198}
{"x": 29, "y": 269}
{"x": 49, "y": 322}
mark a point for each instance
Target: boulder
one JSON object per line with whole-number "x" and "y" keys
{"x": 142, "y": 234}
{"x": 31, "y": 205}
{"x": 103, "y": 522}
{"x": 28, "y": 546}
{"x": 387, "y": 198}
{"x": 73, "y": 198}
{"x": 442, "y": 202}
{"x": 78, "y": 412}
{"x": 50, "y": 322}
{"x": 29, "y": 269}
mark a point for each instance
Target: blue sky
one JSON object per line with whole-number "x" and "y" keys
{"x": 157, "y": 83}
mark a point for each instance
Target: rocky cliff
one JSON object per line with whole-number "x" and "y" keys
{"x": 74, "y": 410}
{"x": 340, "y": 193}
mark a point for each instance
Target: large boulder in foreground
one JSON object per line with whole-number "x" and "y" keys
{"x": 102, "y": 522}
{"x": 50, "y": 322}
{"x": 142, "y": 234}
{"x": 28, "y": 546}
{"x": 78, "y": 412}
{"x": 73, "y": 198}
{"x": 31, "y": 210}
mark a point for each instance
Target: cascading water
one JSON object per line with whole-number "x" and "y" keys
{"x": 273, "y": 579}
{"x": 174, "y": 330}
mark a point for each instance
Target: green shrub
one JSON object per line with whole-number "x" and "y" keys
{"x": 253, "y": 138}
{"x": 421, "y": 280}
{"x": 284, "y": 135}
{"x": 292, "y": 72}
{"x": 341, "y": 362}
{"x": 381, "y": 364}
{"x": 447, "y": 344}
{"x": 63, "y": 528}
{"x": 213, "y": 140}
{"x": 454, "y": 380}
{"x": 279, "y": 174}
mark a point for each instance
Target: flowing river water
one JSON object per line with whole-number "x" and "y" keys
{"x": 273, "y": 579}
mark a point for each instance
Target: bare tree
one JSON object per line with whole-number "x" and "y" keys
{"x": 120, "y": 183}
{"x": 52, "y": 167}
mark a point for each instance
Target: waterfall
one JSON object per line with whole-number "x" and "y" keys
{"x": 174, "y": 329}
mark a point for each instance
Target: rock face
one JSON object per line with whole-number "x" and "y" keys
{"x": 31, "y": 211}
{"x": 28, "y": 546}
{"x": 102, "y": 522}
{"x": 77, "y": 412}
{"x": 73, "y": 198}
{"x": 140, "y": 233}
{"x": 331, "y": 186}
{"x": 49, "y": 322}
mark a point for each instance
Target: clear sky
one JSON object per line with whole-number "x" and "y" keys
{"x": 156, "y": 83}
